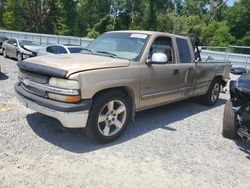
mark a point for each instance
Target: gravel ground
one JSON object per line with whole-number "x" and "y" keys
{"x": 178, "y": 145}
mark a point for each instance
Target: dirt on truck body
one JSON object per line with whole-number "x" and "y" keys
{"x": 120, "y": 72}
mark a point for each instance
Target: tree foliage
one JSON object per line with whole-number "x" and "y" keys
{"x": 212, "y": 20}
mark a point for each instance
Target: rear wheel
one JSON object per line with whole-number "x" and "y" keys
{"x": 212, "y": 95}
{"x": 4, "y": 53}
{"x": 229, "y": 125}
{"x": 109, "y": 116}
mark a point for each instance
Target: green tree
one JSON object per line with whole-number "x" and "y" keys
{"x": 91, "y": 14}
{"x": 31, "y": 15}
{"x": 12, "y": 17}
{"x": 52, "y": 19}
{"x": 217, "y": 10}
{"x": 245, "y": 40}
{"x": 3, "y": 7}
{"x": 216, "y": 34}
{"x": 68, "y": 17}
{"x": 238, "y": 18}
{"x": 194, "y": 7}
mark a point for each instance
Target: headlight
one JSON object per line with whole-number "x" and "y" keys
{"x": 26, "y": 52}
{"x": 63, "y": 83}
{"x": 68, "y": 87}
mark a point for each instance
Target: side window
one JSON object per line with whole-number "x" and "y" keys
{"x": 11, "y": 41}
{"x": 184, "y": 50}
{"x": 59, "y": 50}
{"x": 163, "y": 45}
{"x": 14, "y": 42}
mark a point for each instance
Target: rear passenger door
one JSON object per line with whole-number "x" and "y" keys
{"x": 187, "y": 67}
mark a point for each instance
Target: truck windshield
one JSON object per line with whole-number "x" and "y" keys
{"x": 120, "y": 45}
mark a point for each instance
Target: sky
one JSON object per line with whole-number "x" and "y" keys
{"x": 230, "y": 2}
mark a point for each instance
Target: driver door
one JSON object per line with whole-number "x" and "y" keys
{"x": 160, "y": 83}
{"x": 12, "y": 48}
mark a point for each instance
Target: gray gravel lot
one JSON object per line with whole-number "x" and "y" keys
{"x": 178, "y": 145}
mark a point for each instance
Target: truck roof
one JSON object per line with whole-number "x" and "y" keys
{"x": 149, "y": 33}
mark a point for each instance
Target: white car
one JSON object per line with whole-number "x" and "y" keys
{"x": 60, "y": 49}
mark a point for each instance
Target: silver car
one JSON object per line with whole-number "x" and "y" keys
{"x": 20, "y": 49}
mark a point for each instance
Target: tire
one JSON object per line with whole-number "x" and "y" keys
{"x": 229, "y": 125}
{"x": 212, "y": 95}
{"x": 105, "y": 122}
{"x": 4, "y": 53}
{"x": 19, "y": 56}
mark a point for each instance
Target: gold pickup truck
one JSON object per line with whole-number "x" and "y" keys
{"x": 119, "y": 73}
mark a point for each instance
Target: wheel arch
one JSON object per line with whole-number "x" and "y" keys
{"x": 222, "y": 81}
{"x": 124, "y": 89}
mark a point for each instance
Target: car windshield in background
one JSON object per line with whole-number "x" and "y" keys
{"x": 121, "y": 45}
{"x": 28, "y": 43}
{"x": 75, "y": 49}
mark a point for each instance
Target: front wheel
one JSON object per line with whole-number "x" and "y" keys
{"x": 109, "y": 116}
{"x": 212, "y": 95}
{"x": 19, "y": 56}
{"x": 229, "y": 124}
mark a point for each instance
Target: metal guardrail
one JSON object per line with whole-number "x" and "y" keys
{"x": 46, "y": 39}
{"x": 239, "y": 59}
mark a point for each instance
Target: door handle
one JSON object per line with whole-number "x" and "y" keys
{"x": 176, "y": 71}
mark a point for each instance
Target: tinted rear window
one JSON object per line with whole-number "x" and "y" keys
{"x": 184, "y": 50}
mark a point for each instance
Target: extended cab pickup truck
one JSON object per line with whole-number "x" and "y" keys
{"x": 120, "y": 72}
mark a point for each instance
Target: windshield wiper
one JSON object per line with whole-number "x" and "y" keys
{"x": 86, "y": 49}
{"x": 108, "y": 53}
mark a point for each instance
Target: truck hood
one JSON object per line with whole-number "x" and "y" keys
{"x": 67, "y": 64}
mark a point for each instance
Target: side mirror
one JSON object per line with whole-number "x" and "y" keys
{"x": 158, "y": 58}
{"x": 238, "y": 70}
{"x": 14, "y": 44}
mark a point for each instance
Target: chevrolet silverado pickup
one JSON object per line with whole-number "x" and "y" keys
{"x": 118, "y": 74}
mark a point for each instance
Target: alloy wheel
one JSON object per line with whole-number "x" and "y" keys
{"x": 112, "y": 118}
{"x": 215, "y": 92}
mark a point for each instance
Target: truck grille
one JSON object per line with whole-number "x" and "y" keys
{"x": 41, "y": 79}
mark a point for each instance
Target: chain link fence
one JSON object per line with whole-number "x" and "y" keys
{"x": 239, "y": 56}
{"x": 45, "y": 39}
